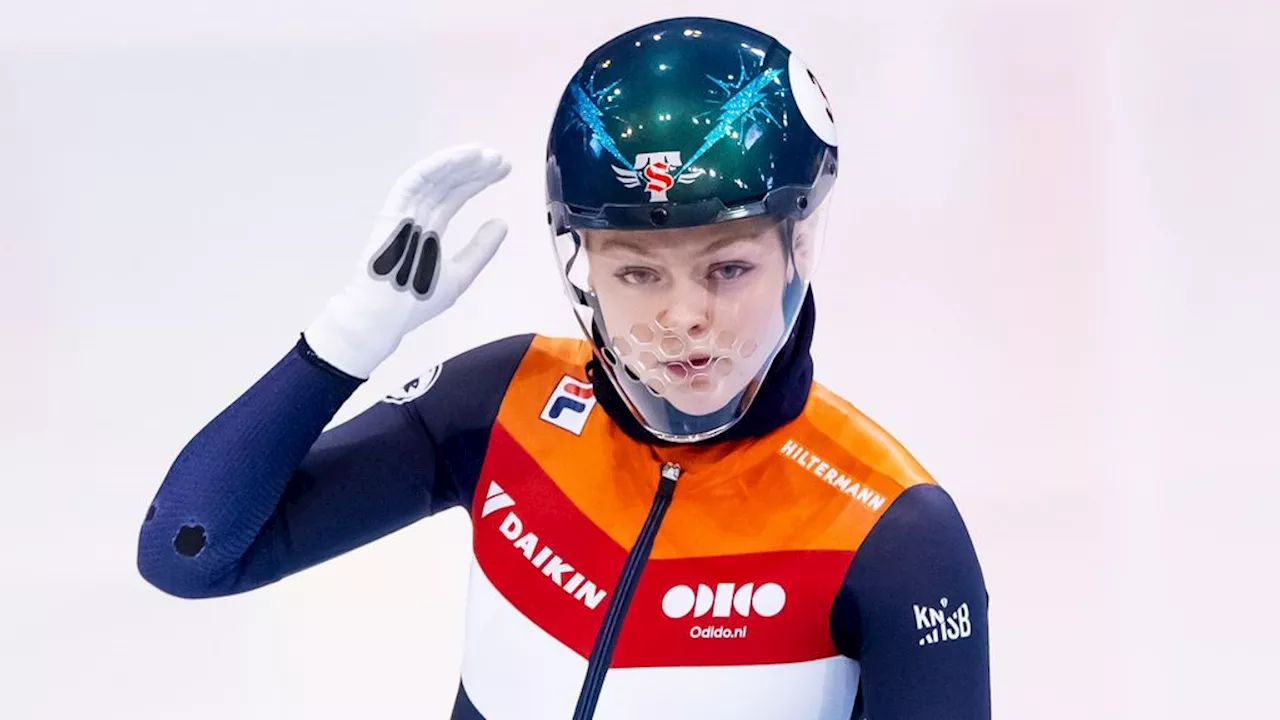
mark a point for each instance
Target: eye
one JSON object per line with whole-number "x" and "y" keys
{"x": 730, "y": 271}
{"x": 637, "y": 276}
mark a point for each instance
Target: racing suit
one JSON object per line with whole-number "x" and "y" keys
{"x": 803, "y": 565}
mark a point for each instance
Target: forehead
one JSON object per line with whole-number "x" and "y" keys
{"x": 696, "y": 239}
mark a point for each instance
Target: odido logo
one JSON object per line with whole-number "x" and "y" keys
{"x": 726, "y": 600}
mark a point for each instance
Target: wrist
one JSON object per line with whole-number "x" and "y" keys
{"x": 350, "y": 340}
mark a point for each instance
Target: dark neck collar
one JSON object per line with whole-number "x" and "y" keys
{"x": 781, "y": 399}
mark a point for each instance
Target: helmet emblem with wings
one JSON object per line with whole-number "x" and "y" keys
{"x": 657, "y": 172}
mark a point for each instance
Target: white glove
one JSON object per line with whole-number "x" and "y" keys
{"x": 403, "y": 278}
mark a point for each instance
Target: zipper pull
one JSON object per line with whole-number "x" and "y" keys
{"x": 667, "y": 484}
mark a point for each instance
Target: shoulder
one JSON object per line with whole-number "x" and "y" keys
{"x": 839, "y": 445}
{"x": 458, "y": 402}
{"x": 556, "y": 354}
{"x": 897, "y": 509}
{"x": 547, "y": 361}
{"x": 916, "y": 548}
{"x": 549, "y": 391}
{"x": 485, "y": 375}
{"x": 848, "y": 428}
{"x": 909, "y": 499}
{"x": 481, "y": 372}
{"x": 491, "y": 365}
{"x": 917, "y": 523}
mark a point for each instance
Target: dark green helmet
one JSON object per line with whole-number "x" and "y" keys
{"x": 688, "y": 122}
{"x": 687, "y": 172}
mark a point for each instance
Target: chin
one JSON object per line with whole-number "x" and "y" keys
{"x": 694, "y": 402}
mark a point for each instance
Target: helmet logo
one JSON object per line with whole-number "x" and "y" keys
{"x": 657, "y": 172}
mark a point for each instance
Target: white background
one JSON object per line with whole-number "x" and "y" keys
{"x": 1050, "y": 272}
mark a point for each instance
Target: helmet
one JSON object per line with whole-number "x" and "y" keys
{"x": 688, "y": 167}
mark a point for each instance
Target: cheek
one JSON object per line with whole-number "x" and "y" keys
{"x": 613, "y": 304}
{"x": 629, "y": 326}
{"x": 754, "y": 312}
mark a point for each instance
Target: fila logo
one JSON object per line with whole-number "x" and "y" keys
{"x": 657, "y": 172}
{"x": 570, "y": 405}
{"x": 943, "y": 627}
{"x": 725, "y": 600}
{"x": 543, "y": 558}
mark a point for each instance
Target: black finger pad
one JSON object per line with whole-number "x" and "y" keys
{"x": 426, "y": 273}
{"x": 190, "y": 540}
{"x": 390, "y": 256}
{"x": 402, "y": 277}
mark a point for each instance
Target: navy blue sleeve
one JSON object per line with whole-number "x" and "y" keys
{"x": 913, "y": 613}
{"x": 261, "y": 492}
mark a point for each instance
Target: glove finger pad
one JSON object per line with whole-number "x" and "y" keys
{"x": 390, "y": 256}
{"x": 406, "y": 267}
{"x": 428, "y": 263}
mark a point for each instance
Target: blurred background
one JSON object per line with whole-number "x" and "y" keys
{"x": 1051, "y": 271}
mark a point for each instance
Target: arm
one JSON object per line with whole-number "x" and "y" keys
{"x": 913, "y": 613}
{"x": 260, "y": 493}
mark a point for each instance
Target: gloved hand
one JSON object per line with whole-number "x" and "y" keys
{"x": 403, "y": 278}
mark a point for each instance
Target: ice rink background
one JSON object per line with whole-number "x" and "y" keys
{"x": 1051, "y": 272}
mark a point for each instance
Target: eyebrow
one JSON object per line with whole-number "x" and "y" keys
{"x": 610, "y": 243}
{"x": 726, "y": 242}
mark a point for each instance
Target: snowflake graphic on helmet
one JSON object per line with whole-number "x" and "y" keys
{"x": 587, "y": 113}
{"x": 747, "y": 103}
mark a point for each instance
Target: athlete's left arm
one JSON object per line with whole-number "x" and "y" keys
{"x": 913, "y": 612}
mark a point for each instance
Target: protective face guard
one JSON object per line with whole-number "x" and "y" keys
{"x": 686, "y": 321}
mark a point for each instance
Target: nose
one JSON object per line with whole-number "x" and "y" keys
{"x": 686, "y": 309}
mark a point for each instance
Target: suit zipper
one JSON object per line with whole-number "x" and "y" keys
{"x": 607, "y": 637}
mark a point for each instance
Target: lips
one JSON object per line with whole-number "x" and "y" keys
{"x": 698, "y": 361}
{"x": 685, "y": 367}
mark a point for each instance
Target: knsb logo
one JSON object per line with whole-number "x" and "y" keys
{"x": 570, "y": 405}
{"x": 551, "y": 565}
{"x": 943, "y": 627}
{"x": 656, "y": 171}
{"x": 726, "y": 600}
